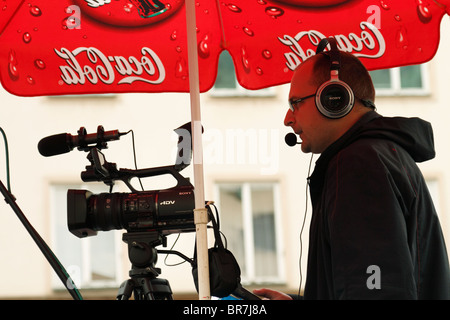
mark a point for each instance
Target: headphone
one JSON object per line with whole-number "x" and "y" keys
{"x": 334, "y": 98}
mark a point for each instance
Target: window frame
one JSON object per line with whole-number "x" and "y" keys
{"x": 249, "y": 274}
{"x": 82, "y": 274}
{"x": 396, "y": 88}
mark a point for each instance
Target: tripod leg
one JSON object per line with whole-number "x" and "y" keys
{"x": 125, "y": 290}
{"x": 147, "y": 289}
{"x": 153, "y": 289}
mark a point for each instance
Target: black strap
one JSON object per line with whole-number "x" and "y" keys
{"x": 333, "y": 52}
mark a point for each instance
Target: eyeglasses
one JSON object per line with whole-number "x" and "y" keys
{"x": 293, "y": 103}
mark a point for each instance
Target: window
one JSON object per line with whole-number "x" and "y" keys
{"x": 409, "y": 80}
{"x": 249, "y": 220}
{"x": 92, "y": 262}
{"x": 226, "y": 84}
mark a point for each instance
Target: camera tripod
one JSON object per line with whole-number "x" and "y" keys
{"x": 143, "y": 282}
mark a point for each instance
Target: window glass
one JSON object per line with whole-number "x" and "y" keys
{"x": 408, "y": 80}
{"x": 248, "y": 221}
{"x": 381, "y": 78}
{"x": 91, "y": 261}
{"x": 263, "y": 208}
{"x": 231, "y": 218}
{"x": 226, "y": 78}
{"x": 226, "y": 84}
{"x": 411, "y": 77}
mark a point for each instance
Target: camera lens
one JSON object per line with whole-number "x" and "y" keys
{"x": 168, "y": 211}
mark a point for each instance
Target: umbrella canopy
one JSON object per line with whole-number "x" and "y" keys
{"x": 101, "y": 46}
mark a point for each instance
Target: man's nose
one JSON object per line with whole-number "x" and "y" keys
{"x": 289, "y": 118}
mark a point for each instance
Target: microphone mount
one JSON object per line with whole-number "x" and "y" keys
{"x": 83, "y": 144}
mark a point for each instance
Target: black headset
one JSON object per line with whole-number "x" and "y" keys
{"x": 334, "y": 98}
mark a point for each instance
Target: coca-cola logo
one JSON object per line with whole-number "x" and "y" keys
{"x": 368, "y": 44}
{"x": 91, "y": 65}
{"x": 128, "y": 13}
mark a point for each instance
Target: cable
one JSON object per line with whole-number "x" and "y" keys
{"x": 134, "y": 155}
{"x": 170, "y": 250}
{"x": 7, "y": 159}
{"x": 303, "y": 225}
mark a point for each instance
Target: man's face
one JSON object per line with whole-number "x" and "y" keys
{"x": 314, "y": 129}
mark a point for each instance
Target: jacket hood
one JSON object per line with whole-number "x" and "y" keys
{"x": 412, "y": 134}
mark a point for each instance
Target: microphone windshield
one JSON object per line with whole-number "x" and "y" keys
{"x": 290, "y": 139}
{"x": 54, "y": 145}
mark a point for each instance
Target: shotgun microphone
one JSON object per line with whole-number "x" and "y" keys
{"x": 65, "y": 142}
{"x": 291, "y": 139}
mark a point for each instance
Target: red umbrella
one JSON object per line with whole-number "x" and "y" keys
{"x": 100, "y": 46}
{"x": 103, "y": 46}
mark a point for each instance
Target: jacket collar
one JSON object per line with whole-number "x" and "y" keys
{"x": 317, "y": 177}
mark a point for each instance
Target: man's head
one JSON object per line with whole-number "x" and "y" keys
{"x": 317, "y": 131}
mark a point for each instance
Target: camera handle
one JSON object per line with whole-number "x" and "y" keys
{"x": 143, "y": 280}
{"x": 107, "y": 172}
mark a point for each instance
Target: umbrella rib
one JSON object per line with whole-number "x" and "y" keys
{"x": 223, "y": 43}
{"x": 11, "y": 17}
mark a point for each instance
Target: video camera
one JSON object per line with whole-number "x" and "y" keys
{"x": 165, "y": 211}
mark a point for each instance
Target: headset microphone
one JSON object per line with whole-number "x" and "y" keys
{"x": 291, "y": 139}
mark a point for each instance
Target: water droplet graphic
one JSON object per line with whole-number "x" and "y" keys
{"x": 38, "y": 63}
{"x": 384, "y": 5}
{"x": 12, "y": 66}
{"x": 234, "y": 8}
{"x": 64, "y": 24}
{"x": 30, "y": 80}
{"x": 13, "y": 72}
{"x": 26, "y": 37}
{"x": 35, "y": 11}
{"x": 401, "y": 38}
{"x": 12, "y": 56}
{"x": 244, "y": 60}
{"x": 181, "y": 69}
{"x": 248, "y": 31}
{"x": 274, "y": 12}
{"x": 267, "y": 54}
{"x": 423, "y": 11}
{"x": 203, "y": 47}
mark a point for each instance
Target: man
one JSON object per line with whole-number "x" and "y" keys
{"x": 374, "y": 231}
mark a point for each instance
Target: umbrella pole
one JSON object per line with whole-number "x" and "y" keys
{"x": 200, "y": 213}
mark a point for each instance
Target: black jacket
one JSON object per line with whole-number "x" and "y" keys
{"x": 374, "y": 231}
